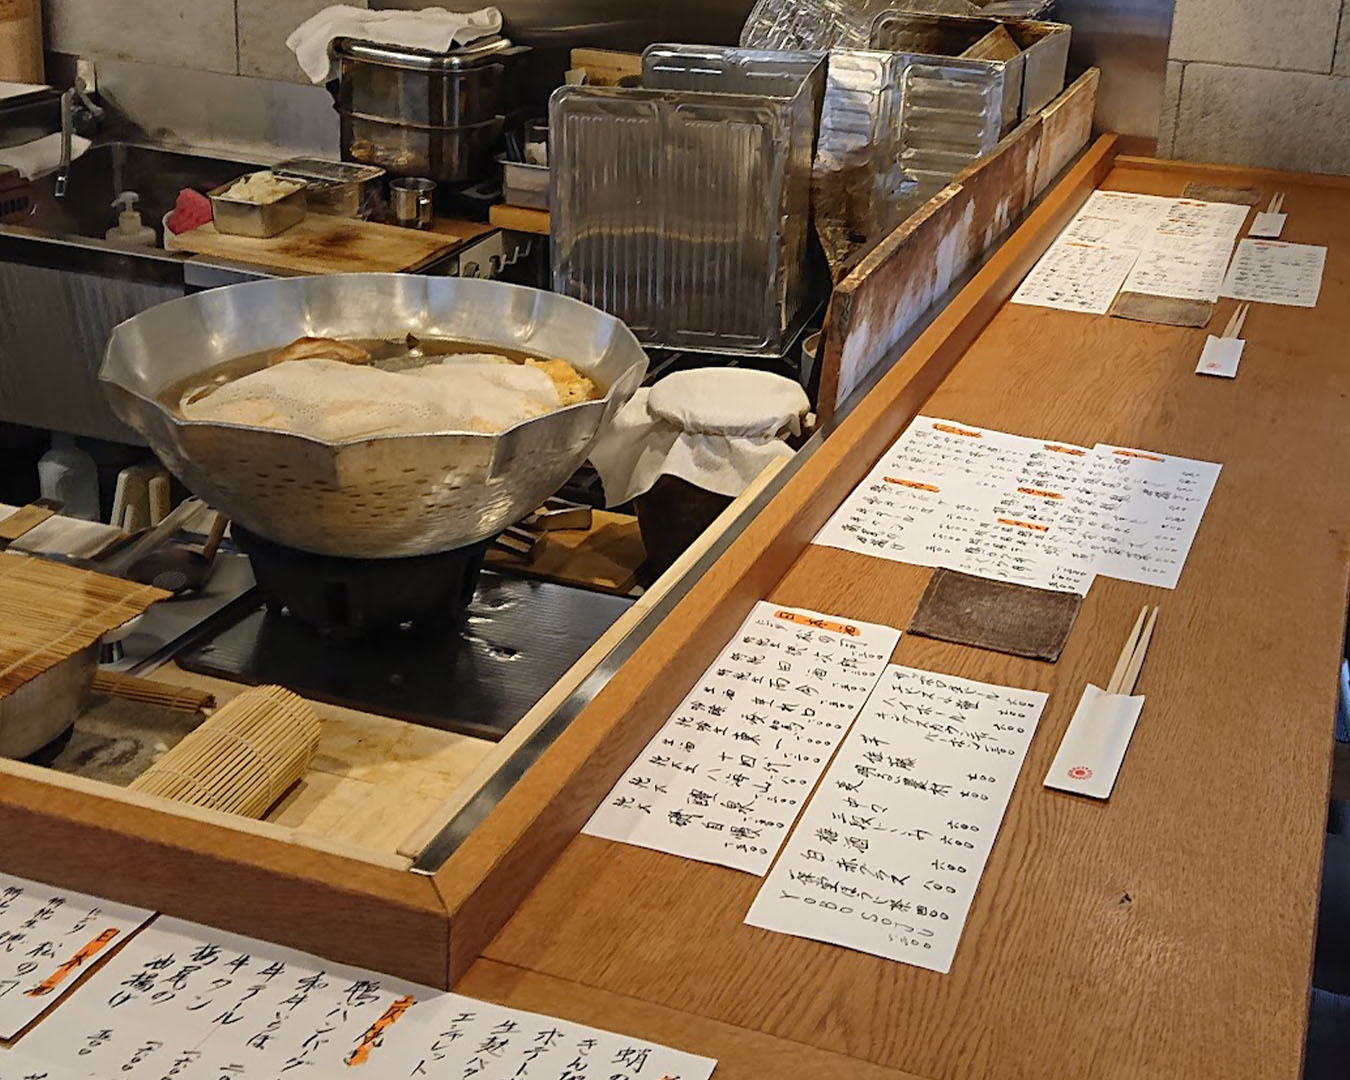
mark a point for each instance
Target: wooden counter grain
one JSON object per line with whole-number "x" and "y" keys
{"x": 1165, "y": 933}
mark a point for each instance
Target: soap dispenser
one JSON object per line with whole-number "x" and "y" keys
{"x": 130, "y": 229}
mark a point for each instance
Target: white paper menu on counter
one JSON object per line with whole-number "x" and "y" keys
{"x": 187, "y": 1001}
{"x": 1187, "y": 253}
{"x": 1032, "y": 512}
{"x": 17, "y": 1066}
{"x": 727, "y": 774}
{"x": 889, "y": 853}
{"x": 1121, "y": 219}
{"x": 1274, "y": 272}
{"x": 973, "y": 500}
{"x": 192, "y": 1003}
{"x": 1141, "y": 511}
{"x": 1074, "y": 275}
{"x": 456, "y": 1037}
{"x": 1140, "y": 243}
{"x": 49, "y": 937}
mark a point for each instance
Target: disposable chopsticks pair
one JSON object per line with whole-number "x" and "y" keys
{"x": 1132, "y": 655}
{"x": 1276, "y": 203}
{"x": 1237, "y": 321}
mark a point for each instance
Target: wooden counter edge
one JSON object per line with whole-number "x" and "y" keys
{"x": 491, "y": 873}
{"x": 343, "y": 908}
{"x": 1243, "y": 172}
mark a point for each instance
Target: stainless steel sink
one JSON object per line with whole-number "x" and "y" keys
{"x": 108, "y": 169}
{"x": 63, "y": 287}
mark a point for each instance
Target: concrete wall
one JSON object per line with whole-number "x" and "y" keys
{"x": 1259, "y": 82}
{"x": 207, "y": 73}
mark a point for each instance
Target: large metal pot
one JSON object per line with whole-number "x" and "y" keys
{"x": 388, "y": 496}
{"x": 46, "y": 705}
{"x": 419, "y": 113}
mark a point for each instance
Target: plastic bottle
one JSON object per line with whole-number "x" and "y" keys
{"x": 130, "y": 229}
{"x": 67, "y": 473}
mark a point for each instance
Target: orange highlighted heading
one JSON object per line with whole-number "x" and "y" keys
{"x": 818, "y": 624}
{"x": 82, "y": 956}
{"x": 1024, "y": 524}
{"x": 375, "y": 1032}
{"x": 910, "y": 484}
{"x": 1074, "y": 450}
{"x": 1040, "y": 493}
{"x": 952, "y": 429}
{"x": 1138, "y": 454}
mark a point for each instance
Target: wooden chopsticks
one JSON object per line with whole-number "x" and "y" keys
{"x": 1237, "y": 321}
{"x": 1276, "y": 203}
{"x": 1131, "y": 659}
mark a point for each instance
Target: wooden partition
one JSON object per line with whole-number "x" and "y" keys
{"x": 891, "y": 288}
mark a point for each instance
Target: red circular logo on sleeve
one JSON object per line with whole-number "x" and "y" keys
{"x": 1080, "y": 772}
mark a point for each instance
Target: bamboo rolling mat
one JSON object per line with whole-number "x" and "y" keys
{"x": 49, "y": 612}
{"x": 149, "y": 692}
{"x": 243, "y": 758}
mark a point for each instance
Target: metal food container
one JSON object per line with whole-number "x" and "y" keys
{"x": 449, "y": 155}
{"x": 418, "y": 113}
{"x": 858, "y": 182}
{"x": 384, "y": 496}
{"x": 339, "y": 188}
{"x": 1031, "y": 80}
{"x": 830, "y": 24}
{"x": 683, "y": 207}
{"x": 259, "y": 220}
{"x": 41, "y": 709}
{"x": 524, "y": 184}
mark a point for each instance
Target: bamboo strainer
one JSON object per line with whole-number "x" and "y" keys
{"x": 243, "y": 758}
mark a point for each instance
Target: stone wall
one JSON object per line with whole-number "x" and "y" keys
{"x": 1259, "y": 82}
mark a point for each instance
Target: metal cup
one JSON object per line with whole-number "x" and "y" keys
{"x": 411, "y": 199}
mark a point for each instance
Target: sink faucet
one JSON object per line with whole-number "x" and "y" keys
{"x": 78, "y": 90}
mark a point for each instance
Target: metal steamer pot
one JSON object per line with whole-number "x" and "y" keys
{"x": 417, "y": 113}
{"x": 389, "y": 496}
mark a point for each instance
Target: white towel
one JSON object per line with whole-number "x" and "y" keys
{"x": 41, "y": 156}
{"x": 432, "y": 29}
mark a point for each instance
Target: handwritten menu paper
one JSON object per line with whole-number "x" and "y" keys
{"x": 1120, "y": 219}
{"x": 48, "y": 938}
{"x": 725, "y": 777}
{"x": 1141, "y": 243}
{"x": 457, "y": 1037}
{"x": 973, "y": 500}
{"x": 1187, "y": 253}
{"x": 194, "y": 1003}
{"x": 1272, "y": 272}
{"x": 1077, "y": 276}
{"x": 1140, "y": 511}
{"x": 17, "y": 1066}
{"x": 1029, "y": 511}
{"x": 890, "y": 851}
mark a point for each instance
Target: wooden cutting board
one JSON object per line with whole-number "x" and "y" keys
{"x": 604, "y": 557}
{"x": 323, "y": 244}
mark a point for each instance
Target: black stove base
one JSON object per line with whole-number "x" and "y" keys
{"x": 518, "y": 638}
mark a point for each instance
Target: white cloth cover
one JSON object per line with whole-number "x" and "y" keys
{"x": 432, "y": 29}
{"x": 41, "y": 156}
{"x": 717, "y": 428}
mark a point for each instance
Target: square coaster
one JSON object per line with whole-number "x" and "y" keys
{"x": 1013, "y": 619}
{"x": 1242, "y": 196}
{"x": 1141, "y": 307}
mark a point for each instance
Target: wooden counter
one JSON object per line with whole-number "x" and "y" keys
{"x": 1165, "y": 933}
